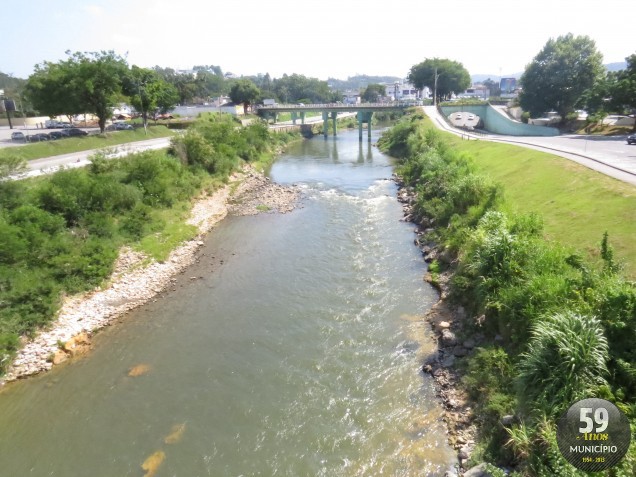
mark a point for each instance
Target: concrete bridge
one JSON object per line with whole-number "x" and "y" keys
{"x": 364, "y": 112}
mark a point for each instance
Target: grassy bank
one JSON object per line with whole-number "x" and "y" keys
{"x": 85, "y": 143}
{"x": 554, "y": 322}
{"x": 61, "y": 233}
{"x": 577, "y": 204}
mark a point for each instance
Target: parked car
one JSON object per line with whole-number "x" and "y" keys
{"x": 56, "y": 135}
{"x": 17, "y": 136}
{"x": 123, "y": 126}
{"x": 631, "y": 139}
{"x": 70, "y": 132}
{"x": 38, "y": 137}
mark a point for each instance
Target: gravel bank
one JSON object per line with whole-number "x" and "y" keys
{"x": 136, "y": 279}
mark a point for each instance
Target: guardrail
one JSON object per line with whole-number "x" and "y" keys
{"x": 393, "y": 104}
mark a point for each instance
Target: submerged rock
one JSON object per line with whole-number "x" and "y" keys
{"x": 152, "y": 463}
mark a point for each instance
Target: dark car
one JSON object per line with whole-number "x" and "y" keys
{"x": 17, "y": 136}
{"x": 56, "y": 135}
{"x": 631, "y": 139}
{"x": 123, "y": 126}
{"x": 38, "y": 137}
{"x": 74, "y": 132}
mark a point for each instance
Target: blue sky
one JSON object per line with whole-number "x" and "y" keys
{"x": 326, "y": 38}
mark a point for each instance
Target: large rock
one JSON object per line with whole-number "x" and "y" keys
{"x": 79, "y": 344}
{"x": 448, "y": 338}
{"x": 59, "y": 357}
{"x": 478, "y": 471}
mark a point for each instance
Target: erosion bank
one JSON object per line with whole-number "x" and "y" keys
{"x": 137, "y": 279}
{"x": 518, "y": 312}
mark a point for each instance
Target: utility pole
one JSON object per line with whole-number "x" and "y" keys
{"x": 435, "y": 88}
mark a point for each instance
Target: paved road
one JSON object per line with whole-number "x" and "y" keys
{"x": 610, "y": 155}
{"x": 51, "y": 164}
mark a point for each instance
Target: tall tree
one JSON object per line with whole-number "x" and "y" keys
{"x": 97, "y": 78}
{"x": 149, "y": 93}
{"x": 297, "y": 87}
{"x": 373, "y": 93}
{"x": 442, "y": 76}
{"x": 245, "y": 92}
{"x": 50, "y": 92}
{"x": 559, "y": 75}
{"x": 623, "y": 91}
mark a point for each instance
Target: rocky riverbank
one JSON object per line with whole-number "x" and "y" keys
{"x": 137, "y": 279}
{"x": 447, "y": 324}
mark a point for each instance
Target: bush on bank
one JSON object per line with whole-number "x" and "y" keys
{"x": 60, "y": 234}
{"x": 558, "y": 329}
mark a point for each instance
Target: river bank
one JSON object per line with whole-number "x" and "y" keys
{"x": 137, "y": 280}
{"x": 453, "y": 343}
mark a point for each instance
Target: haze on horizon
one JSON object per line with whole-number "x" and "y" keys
{"x": 332, "y": 39}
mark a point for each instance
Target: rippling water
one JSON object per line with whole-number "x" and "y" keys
{"x": 297, "y": 353}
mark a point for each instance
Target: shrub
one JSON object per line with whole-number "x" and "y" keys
{"x": 566, "y": 360}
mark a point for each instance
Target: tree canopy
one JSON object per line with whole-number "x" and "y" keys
{"x": 452, "y": 77}
{"x": 295, "y": 87}
{"x": 84, "y": 83}
{"x": 245, "y": 92}
{"x": 560, "y": 74}
{"x": 149, "y": 93}
{"x": 624, "y": 89}
{"x": 373, "y": 93}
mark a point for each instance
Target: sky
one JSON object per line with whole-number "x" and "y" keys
{"x": 321, "y": 39}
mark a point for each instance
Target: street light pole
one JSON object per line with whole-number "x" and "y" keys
{"x": 435, "y": 88}
{"x": 141, "y": 102}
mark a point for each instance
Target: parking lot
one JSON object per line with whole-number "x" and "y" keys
{"x": 6, "y": 133}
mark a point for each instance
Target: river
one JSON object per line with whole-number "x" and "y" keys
{"x": 297, "y": 352}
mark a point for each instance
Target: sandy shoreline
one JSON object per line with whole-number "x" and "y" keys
{"x": 135, "y": 282}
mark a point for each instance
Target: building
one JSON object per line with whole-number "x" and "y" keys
{"x": 404, "y": 91}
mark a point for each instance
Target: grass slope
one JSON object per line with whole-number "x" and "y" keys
{"x": 577, "y": 204}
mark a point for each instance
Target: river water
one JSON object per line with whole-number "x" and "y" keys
{"x": 297, "y": 352}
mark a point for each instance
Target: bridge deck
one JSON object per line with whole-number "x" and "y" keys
{"x": 334, "y": 107}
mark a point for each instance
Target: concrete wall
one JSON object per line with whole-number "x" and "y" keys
{"x": 498, "y": 123}
{"x": 18, "y": 123}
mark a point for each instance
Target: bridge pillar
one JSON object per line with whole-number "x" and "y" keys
{"x": 325, "y": 123}
{"x": 364, "y": 117}
{"x": 302, "y": 117}
{"x": 294, "y": 116}
{"x": 334, "y": 115}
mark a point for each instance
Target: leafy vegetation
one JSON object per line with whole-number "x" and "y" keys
{"x": 442, "y": 76}
{"x": 548, "y": 81}
{"x": 60, "y": 234}
{"x": 557, "y": 326}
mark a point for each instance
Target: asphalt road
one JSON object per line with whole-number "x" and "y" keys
{"x": 610, "y": 155}
{"x": 80, "y": 159}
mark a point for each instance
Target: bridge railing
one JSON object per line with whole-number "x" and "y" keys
{"x": 391, "y": 104}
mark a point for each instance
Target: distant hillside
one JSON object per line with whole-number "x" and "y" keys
{"x": 621, "y": 65}
{"x": 481, "y": 77}
{"x": 9, "y": 83}
{"x": 360, "y": 81}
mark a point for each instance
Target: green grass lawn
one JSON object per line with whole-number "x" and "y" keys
{"x": 84, "y": 143}
{"x": 577, "y": 204}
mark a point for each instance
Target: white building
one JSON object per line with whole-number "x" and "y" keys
{"x": 404, "y": 91}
